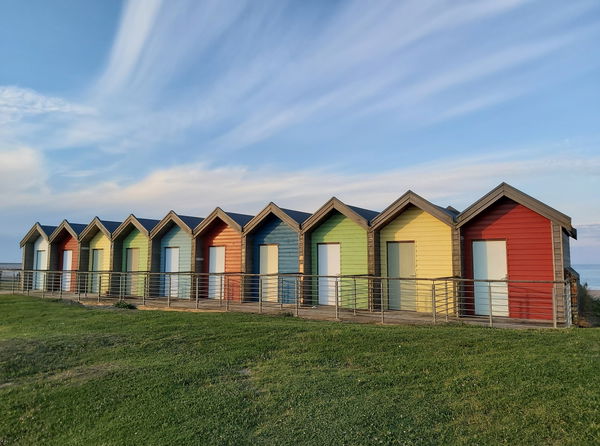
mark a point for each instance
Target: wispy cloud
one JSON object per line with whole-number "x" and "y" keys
{"x": 196, "y": 188}
{"x": 241, "y": 72}
{"x": 227, "y": 75}
{"x": 17, "y": 103}
{"x": 137, "y": 22}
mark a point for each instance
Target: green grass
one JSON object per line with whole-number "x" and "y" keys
{"x": 71, "y": 375}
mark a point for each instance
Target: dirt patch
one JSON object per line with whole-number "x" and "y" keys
{"x": 85, "y": 373}
{"x": 188, "y": 310}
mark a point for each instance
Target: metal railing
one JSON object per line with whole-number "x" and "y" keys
{"x": 382, "y": 299}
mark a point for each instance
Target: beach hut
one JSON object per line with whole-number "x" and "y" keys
{"x": 131, "y": 253}
{"x": 416, "y": 240}
{"x": 171, "y": 254}
{"x": 508, "y": 235}
{"x": 336, "y": 242}
{"x": 35, "y": 247}
{"x": 218, "y": 244}
{"x": 272, "y": 246}
{"x": 95, "y": 245}
{"x": 64, "y": 254}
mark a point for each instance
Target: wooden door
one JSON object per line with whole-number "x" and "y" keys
{"x": 329, "y": 264}
{"x": 171, "y": 266}
{"x": 268, "y": 269}
{"x": 67, "y": 263}
{"x": 489, "y": 263}
{"x": 401, "y": 264}
{"x": 216, "y": 266}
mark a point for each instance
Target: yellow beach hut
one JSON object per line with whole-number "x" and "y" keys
{"x": 414, "y": 240}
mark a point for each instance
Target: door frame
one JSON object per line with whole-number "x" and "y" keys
{"x": 495, "y": 239}
{"x": 334, "y": 279}
{"x": 275, "y": 295}
{"x": 221, "y": 291}
{"x": 387, "y": 263}
{"x": 173, "y": 289}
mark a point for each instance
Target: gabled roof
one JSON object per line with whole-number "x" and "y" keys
{"x": 292, "y": 218}
{"x": 106, "y": 226}
{"x": 508, "y": 191}
{"x": 38, "y": 230}
{"x": 192, "y": 222}
{"x": 75, "y": 229}
{"x": 144, "y": 225}
{"x": 411, "y": 199}
{"x": 299, "y": 216}
{"x": 185, "y": 222}
{"x": 360, "y": 216}
{"x": 231, "y": 219}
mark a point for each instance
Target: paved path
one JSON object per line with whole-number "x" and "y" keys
{"x": 328, "y": 313}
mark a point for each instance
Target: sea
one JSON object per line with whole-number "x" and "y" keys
{"x": 589, "y": 274}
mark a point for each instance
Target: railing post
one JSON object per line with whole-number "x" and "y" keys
{"x": 554, "y": 306}
{"x": 433, "y": 303}
{"x": 78, "y": 287}
{"x": 490, "y": 304}
{"x": 145, "y": 288}
{"x": 297, "y": 285}
{"x": 169, "y": 291}
{"x": 354, "y": 291}
{"x": 43, "y": 285}
{"x": 99, "y": 285}
{"x": 280, "y": 291}
{"x": 446, "y": 290}
{"x": 382, "y": 305}
{"x": 197, "y": 284}
{"x": 60, "y": 284}
{"x": 260, "y": 293}
{"x": 242, "y": 288}
{"x": 220, "y": 290}
{"x": 337, "y": 307}
{"x": 228, "y": 293}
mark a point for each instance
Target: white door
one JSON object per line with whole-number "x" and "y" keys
{"x": 489, "y": 263}
{"x": 401, "y": 263}
{"x": 67, "y": 264}
{"x": 39, "y": 264}
{"x": 328, "y": 262}
{"x": 216, "y": 266}
{"x": 171, "y": 266}
{"x": 97, "y": 255}
{"x": 269, "y": 264}
{"x": 131, "y": 265}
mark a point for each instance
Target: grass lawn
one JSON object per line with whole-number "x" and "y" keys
{"x": 71, "y": 375}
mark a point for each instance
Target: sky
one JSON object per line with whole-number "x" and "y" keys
{"x": 109, "y": 108}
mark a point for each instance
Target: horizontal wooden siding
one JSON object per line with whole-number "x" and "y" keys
{"x": 433, "y": 249}
{"x": 353, "y": 255}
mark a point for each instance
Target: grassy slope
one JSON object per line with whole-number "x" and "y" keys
{"x": 71, "y": 375}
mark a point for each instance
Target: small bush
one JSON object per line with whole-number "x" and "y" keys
{"x": 124, "y": 305}
{"x": 588, "y": 306}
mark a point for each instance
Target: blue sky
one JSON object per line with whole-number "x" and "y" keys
{"x": 113, "y": 107}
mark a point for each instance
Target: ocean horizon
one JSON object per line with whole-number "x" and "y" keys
{"x": 590, "y": 274}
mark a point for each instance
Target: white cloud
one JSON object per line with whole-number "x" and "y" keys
{"x": 195, "y": 189}
{"x": 17, "y": 103}
{"x": 22, "y": 175}
{"x": 246, "y": 72}
{"x": 137, "y": 21}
